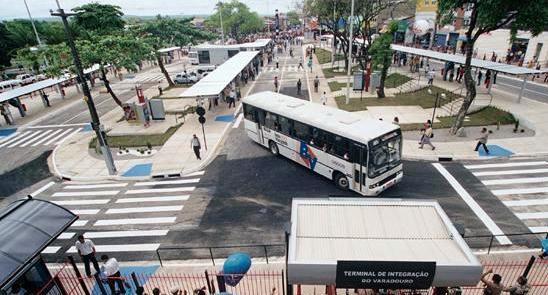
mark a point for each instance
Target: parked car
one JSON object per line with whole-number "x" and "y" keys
{"x": 26, "y": 79}
{"x": 9, "y": 85}
{"x": 185, "y": 78}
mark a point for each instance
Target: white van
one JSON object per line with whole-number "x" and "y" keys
{"x": 193, "y": 57}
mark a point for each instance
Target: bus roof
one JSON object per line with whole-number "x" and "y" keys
{"x": 337, "y": 121}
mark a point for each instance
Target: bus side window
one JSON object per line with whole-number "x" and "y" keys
{"x": 285, "y": 125}
{"x": 301, "y": 131}
{"x": 271, "y": 121}
{"x": 261, "y": 116}
{"x": 249, "y": 113}
{"x": 341, "y": 147}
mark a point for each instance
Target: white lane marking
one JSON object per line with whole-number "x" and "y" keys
{"x": 516, "y": 191}
{"x": 180, "y": 181}
{"x": 79, "y": 223}
{"x": 152, "y": 220}
{"x": 121, "y": 248}
{"x": 42, "y": 189}
{"x": 465, "y": 196}
{"x": 81, "y": 202}
{"x": 66, "y": 236}
{"x": 68, "y": 136}
{"x": 510, "y": 172}
{"x": 532, "y": 215}
{"x": 525, "y": 203}
{"x": 36, "y": 138}
{"x": 51, "y": 250}
{"x": 56, "y": 126}
{"x": 86, "y": 211}
{"x": 144, "y": 209}
{"x": 506, "y": 252}
{"x": 538, "y": 229}
{"x": 92, "y": 186}
{"x": 160, "y": 190}
{"x": 503, "y": 165}
{"x": 238, "y": 121}
{"x": 81, "y": 194}
{"x": 515, "y": 180}
{"x": 47, "y": 137}
{"x": 15, "y": 138}
{"x": 125, "y": 234}
{"x": 33, "y": 134}
{"x": 57, "y": 137}
{"x": 197, "y": 173}
{"x": 153, "y": 199}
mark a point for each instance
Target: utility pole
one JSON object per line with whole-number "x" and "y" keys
{"x": 221, "y": 16}
{"x": 333, "y": 40}
{"x": 350, "y": 45}
{"x": 95, "y": 123}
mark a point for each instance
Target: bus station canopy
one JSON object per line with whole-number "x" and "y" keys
{"x": 460, "y": 59}
{"x": 27, "y": 227}
{"x": 326, "y": 232}
{"x": 257, "y": 44}
{"x": 216, "y": 81}
{"x": 166, "y": 50}
{"x": 30, "y": 88}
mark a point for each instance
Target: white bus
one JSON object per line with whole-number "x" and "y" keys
{"x": 359, "y": 154}
{"x": 193, "y": 58}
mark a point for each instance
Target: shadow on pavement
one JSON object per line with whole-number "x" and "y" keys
{"x": 25, "y": 175}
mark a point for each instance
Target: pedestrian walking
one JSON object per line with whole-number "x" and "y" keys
{"x": 323, "y": 98}
{"x": 310, "y": 63}
{"x": 111, "y": 269}
{"x": 299, "y": 85}
{"x": 493, "y": 287}
{"x": 196, "y": 146}
{"x": 316, "y": 84}
{"x": 232, "y": 98}
{"x": 300, "y": 64}
{"x": 480, "y": 75}
{"x": 160, "y": 90}
{"x": 482, "y": 140}
{"x": 487, "y": 78}
{"x": 427, "y": 135}
{"x": 431, "y": 75}
{"x": 45, "y": 98}
{"x": 521, "y": 288}
{"x": 277, "y": 63}
{"x": 86, "y": 250}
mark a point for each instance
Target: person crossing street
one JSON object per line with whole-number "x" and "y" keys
{"x": 86, "y": 250}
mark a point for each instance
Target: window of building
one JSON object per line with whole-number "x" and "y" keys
{"x": 203, "y": 57}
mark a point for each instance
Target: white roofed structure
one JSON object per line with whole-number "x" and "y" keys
{"x": 221, "y": 77}
{"x": 325, "y": 232}
{"x": 330, "y": 119}
{"x": 166, "y": 50}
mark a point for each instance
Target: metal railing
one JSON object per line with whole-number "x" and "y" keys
{"x": 487, "y": 241}
{"x": 219, "y": 252}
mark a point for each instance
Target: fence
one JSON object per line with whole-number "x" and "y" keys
{"x": 530, "y": 240}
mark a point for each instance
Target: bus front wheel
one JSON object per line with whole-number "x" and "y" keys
{"x": 273, "y": 148}
{"x": 341, "y": 181}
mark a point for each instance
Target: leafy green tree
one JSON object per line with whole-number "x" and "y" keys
{"x": 99, "y": 19}
{"x": 381, "y": 54}
{"x": 5, "y": 46}
{"x": 20, "y": 33}
{"x": 293, "y": 18}
{"x": 487, "y": 16}
{"x": 238, "y": 20}
{"x": 165, "y": 32}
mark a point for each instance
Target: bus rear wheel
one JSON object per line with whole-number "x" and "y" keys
{"x": 273, "y": 148}
{"x": 341, "y": 181}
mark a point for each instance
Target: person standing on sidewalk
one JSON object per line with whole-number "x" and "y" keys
{"x": 431, "y": 75}
{"x": 323, "y": 98}
{"x": 196, "y": 146}
{"x": 480, "y": 75}
{"x": 86, "y": 250}
{"x": 160, "y": 90}
{"x": 277, "y": 62}
{"x": 111, "y": 269}
{"x": 276, "y": 83}
{"x": 482, "y": 140}
{"x": 427, "y": 134}
{"x": 316, "y": 84}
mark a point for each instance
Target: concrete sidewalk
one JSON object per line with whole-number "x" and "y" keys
{"x": 530, "y": 113}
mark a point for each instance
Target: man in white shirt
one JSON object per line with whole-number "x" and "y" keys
{"x": 111, "y": 269}
{"x": 86, "y": 250}
{"x": 323, "y": 98}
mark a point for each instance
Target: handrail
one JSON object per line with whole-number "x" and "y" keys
{"x": 492, "y": 237}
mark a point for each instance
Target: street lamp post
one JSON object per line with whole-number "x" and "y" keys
{"x": 435, "y": 104}
{"x": 95, "y": 123}
{"x": 350, "y": 44}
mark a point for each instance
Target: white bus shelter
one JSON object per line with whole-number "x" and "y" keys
{"x": 214, "y": 83}
{"x": 477, "y": 63}
{"x": 377, "y": 243}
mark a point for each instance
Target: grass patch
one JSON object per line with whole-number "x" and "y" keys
{"x": 395, "y": 80}
{"x": 336, "y": 86}
{"x": 137, "y": 140}
{"x": 324, "y": 56}
{"x": 333, "y": 72}
{"x": 420, "y": 97}
{"x": 483, "y": 117}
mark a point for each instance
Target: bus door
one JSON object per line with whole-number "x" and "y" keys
{"x": 260, "y": 124}
{"x": 359, "y": 157}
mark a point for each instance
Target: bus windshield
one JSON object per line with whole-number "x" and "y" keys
{"x": 384, "y": 153}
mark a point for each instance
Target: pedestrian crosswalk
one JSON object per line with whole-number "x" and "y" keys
{"x": 127, "y": 217}
{"x": 522, "y": 186}
{"x": 147, "y": 78}
{"x": 287, "y": 68}
{"x": 42, "y": 136}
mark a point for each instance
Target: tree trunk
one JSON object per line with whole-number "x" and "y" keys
{"x": 470, "y": 88}
{"x": 384, "y": 73}
{"x": 164, "y": 71}
{"x": 109, "y": 89}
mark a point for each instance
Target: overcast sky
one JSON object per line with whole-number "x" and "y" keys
{"x": 40, "y": 8}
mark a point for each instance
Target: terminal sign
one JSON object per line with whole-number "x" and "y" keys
{"x": 385, "y": 274}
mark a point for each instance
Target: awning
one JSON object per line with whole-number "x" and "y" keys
{"x": 27, "y": 227}
{"x": 216, "y": 81}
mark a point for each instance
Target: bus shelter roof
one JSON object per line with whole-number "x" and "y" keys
{"x": 27, "y": 227}
{"x": 216, "y": 81}
{"x": 325, "y": 231}
{"x": 24, "y": 90}
{"x": 166, "y": 50}
{"x": 460, "y": 59}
